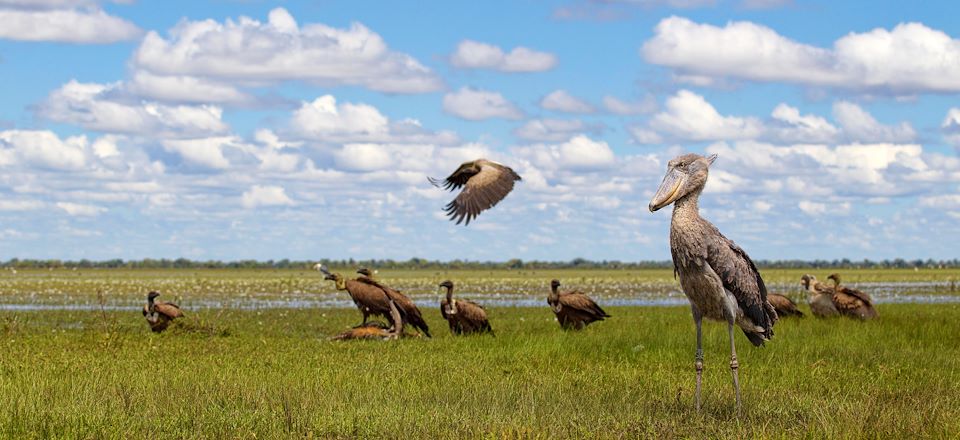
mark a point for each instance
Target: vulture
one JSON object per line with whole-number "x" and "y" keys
{"x": 408, "y": 310}
{"x": 375, "y": 329}
{"x": 718, "y": 277}
{"x": 371, "y": 300}
{"x": 783, "y": 305}
{"x": 160, "y": 313}
{"x": 852, "y": 302}
{"x": 485, "y": 183}
{"x": 821, "y": 297}
{"x": 465, "y": 317}
{"x": 574, "y": 310}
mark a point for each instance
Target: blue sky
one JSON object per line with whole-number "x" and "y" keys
{"x": 303, "y": 130}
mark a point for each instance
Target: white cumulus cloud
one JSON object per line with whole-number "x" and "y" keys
{"x": 926, "y": 60}
{"x": 563, "y": 101}
{"x": 265, "y": 195}
{"x": 248, "y": 50}
{"x": 475, "y": 105}
{"x": 80, "y": 209}
{"x": 60, "y": 22}
{"x": 476, "y": 55}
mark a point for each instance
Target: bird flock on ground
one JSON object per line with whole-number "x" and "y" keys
{"x": 719, "y": 279}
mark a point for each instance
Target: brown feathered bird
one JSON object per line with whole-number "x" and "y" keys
{"x": 852, "y": 302}
{"x": 717, "y": 276}
{"x": 408, "y": 310}
{"x": 159, "y": 314}
{"x": 575, "y": 310}
{"x": 485, "y": 184}
{"x": 370, "y": 300}
{"x": 783, "y": 305}
{"x": 821, "y": 297}
{"x": 464, "y": 317}
{"x": 375, "y": 329}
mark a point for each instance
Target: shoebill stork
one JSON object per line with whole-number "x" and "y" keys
{"x": 408, "y": 310}
{"x": 160, "y": 313}
{"x": 464, "y": 317}
{"x": 375, "y": 330}
{"x": 574, "y": 309}
{"x": 485, "y": 183}
{"x": 821, "y": 297}
{"x": 370, "y": 300}
{"x": 783, "y": 305}
{"x": 717, "y": 276}
{"x": 852, "y": 302}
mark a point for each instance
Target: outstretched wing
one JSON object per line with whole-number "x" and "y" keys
{"x": 481, "y": 192}
{"x": 741, "y": 277}
{"x": 458, "y": 178}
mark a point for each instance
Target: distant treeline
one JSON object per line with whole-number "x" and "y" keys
{"x": 419, "y": 263}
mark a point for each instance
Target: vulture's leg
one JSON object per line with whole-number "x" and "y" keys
{"x": 733, "y": 364}
{"x": 698, "y": 320}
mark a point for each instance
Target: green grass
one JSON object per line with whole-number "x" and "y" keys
{"x": 272, "y": 373}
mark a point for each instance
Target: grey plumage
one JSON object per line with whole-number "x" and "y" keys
{"x": 717, "y": 276}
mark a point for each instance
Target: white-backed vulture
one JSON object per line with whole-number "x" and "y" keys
{"x": 464, "y": 317}
{"x": 783, "y": 305}
{"x": 717, "y": 276}
{"x": 159, "y": 314}
{"x": 575, "y": 310}
{"x": 852, "y": 302}
{"x": 370, "y": 300}
{"x": 821, "y": 297}
{"x": 486, "y": 184}
{"x": 408, "y": 310}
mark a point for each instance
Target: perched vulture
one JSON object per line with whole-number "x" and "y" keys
{"x": 370, "y": 300}
{"x": 408, "y": 310}
{"x": 574, "y": 310}
{"x": 783, "y": 305}
{"x": 852, "y": 302}
{"x": 486, "y": 183}
{"x": 160, "y": 313}
{"x": 465, "y": 317}
{"x": 821, "y": 297}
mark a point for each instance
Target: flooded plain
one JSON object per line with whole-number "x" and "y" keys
{"x": 70, "y": 291}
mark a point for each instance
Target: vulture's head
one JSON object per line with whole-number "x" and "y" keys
{"x": 554, "y": 284}
{"x": 447, "y": 284}
{"x": 806, "y": 279}
{"x": 835, "y": 277}
{"x": 685, "y": 174}
{"x": 152, "y": 296}
{"x": 366, "y": 272}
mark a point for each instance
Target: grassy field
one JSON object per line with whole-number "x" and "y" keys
{"x": 230, "y": 373}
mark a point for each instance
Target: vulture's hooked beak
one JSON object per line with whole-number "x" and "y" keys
{"x": 329, "y": 277}
{"x": 669, "y": 190}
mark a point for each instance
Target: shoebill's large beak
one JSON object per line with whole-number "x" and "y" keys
{"x": 669, "y": 189}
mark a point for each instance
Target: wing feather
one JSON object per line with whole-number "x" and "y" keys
{"x": 482, "y": 191}
{"x": 170, "y": 310}
{"x": 741, "y": 277}
{"x": 458, "y": 178}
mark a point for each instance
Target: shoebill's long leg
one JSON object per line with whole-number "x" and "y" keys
{"x": 698, "y": 319}
{"x": 733, "y": 364}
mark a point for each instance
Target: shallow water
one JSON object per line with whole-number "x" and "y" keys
{"x": 649, "y": 296}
